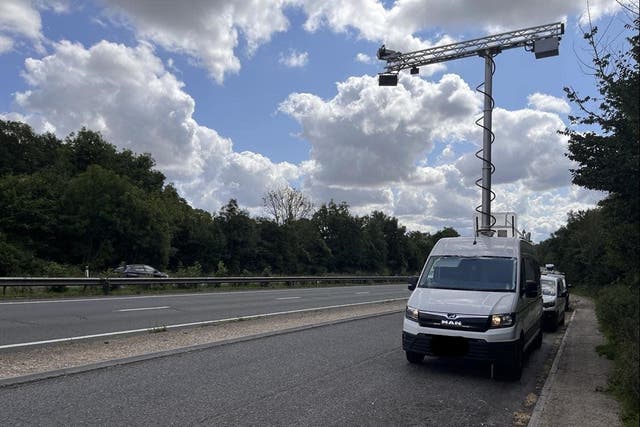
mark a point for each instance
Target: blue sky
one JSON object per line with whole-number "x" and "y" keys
{"x": 236, "y": 98}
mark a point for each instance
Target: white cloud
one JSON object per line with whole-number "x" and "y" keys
{"x": 527, "y": 148}
{"x": 398, "y": 26}
{"x": 207, "y": 31}
{"x": 543, "y": 212}
{"x": 129, "y": 96}
{"x": 6, "y": 44}
{"x": 370, "y": 135}
{"x": 364, "y": 58}
{"x": 57, "y": 6}
{"x": 294, "y": 59}
{"x": 368, "y": 144}
{"x": 19, "y": 19}
{"x": 543, "y": 102}
{"x": 598, "y": 9}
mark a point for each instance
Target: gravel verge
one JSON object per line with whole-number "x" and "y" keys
{"x": 21, "y": 362}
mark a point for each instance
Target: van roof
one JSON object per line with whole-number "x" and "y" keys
{"x": 484, "y": 246}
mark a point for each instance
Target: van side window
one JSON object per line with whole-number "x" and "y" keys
{"x": 562, "y": 286}
{"x": 530, "y": 271}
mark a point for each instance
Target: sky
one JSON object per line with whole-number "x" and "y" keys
{"x": 237, "y": 98}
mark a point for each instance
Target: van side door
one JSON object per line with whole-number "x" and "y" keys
{"x": 562, "y": 292}
{"x": 531, "y": 306}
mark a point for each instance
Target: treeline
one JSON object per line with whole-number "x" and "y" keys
{"x": 81, "y": 202}
{"x": 599, "y": 249}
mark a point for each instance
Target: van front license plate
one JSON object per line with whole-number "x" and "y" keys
{"x": 449, "y": 346}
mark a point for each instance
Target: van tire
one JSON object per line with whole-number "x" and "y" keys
{"x": 414, "y": 357}
{"x": 552, "y": 322}
{"x": 512, "y": 370}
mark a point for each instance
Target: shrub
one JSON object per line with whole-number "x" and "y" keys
{"x": 618, "y": 312}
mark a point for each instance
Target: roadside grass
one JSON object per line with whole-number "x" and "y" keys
{"x": 617, "y": 309}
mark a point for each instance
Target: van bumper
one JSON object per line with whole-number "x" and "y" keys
{"x": 467, "y": 348}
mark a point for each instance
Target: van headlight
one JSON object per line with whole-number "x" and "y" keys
{"x": 411, "y": 313}
{"x": 503, "y": 320}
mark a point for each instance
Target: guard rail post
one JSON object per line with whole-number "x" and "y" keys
{"x": 105, "y": 285}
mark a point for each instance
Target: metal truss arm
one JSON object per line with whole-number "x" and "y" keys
{"x": 493, "y": 45}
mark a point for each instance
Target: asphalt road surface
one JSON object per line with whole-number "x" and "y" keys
{"x": 40, "y": 320}
{"x": 351, "y": 373}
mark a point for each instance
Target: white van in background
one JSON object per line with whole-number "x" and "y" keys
{"x": 477, "y": 298}
{"x": 555, "y": 299}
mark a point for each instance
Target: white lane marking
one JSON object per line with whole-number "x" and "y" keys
{"x": 201, "y": 294}
{"x": 144, "y": 308}
{"x": 183, "y": 325}
{"x": 288, "y": 298}
{"x": 361, "y": 293}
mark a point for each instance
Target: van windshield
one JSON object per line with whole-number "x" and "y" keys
{"x": 490, "y": 274}
{"x": 548, "y": 287}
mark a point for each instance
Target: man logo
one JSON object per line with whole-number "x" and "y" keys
{"x": 451, "y": 322}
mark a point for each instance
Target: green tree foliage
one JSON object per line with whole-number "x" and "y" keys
{"x": 342, "y": 234}
{"x": 239, "y": 253}
{"x": 107, "y": 218}
{"x": 24, "y": 152}
{"x": 608, "y": 151}
{"x": 81, "y": 201}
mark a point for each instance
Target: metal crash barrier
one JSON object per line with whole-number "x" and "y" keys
{"x": 109, "y": 283}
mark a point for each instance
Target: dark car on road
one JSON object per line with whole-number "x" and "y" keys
{"x": 138, "y": 270}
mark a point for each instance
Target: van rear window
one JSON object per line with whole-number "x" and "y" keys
{"x": 490, "y": 274}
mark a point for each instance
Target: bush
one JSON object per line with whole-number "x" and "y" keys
{"x": 194, "y": 270}
{"x": 53, "y": 269}
{"x": 618, "y": 314}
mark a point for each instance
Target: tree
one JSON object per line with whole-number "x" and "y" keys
{"x": 608, "y": 152}
{"x": 609, "y": 161}
{"x": 107, "y": 219}
{"x": 343, "y": 235}
{"x": 24, "y": 152}
{"x": 287, "y": 204}
{"x": 241, "y": 238}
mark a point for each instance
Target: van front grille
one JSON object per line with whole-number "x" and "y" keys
{"x": 460, "y": 322}
{"x": 434, "y": 345}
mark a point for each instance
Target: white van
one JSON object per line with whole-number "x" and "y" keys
{"x": 555, "y": 300}
{"x": 477, "y": 298}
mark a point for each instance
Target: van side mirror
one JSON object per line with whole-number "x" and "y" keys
{"x": 413, "y": 282}
{"x": 531, "y": 289}
{"x": 569, "y": 285}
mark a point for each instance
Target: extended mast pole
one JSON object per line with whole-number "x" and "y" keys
{"x": 487, "y": 139}
{"x": 542, "y": 40}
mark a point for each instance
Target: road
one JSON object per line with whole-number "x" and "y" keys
{"x": 40, "y": 320}
{"x": 352, "y": 373}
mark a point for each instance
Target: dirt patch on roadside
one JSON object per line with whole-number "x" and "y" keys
{"x": 26, "y": 361}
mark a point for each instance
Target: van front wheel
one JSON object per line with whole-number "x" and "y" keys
{"x": 513, "y": 368}
{"x": 414, "y": 357}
